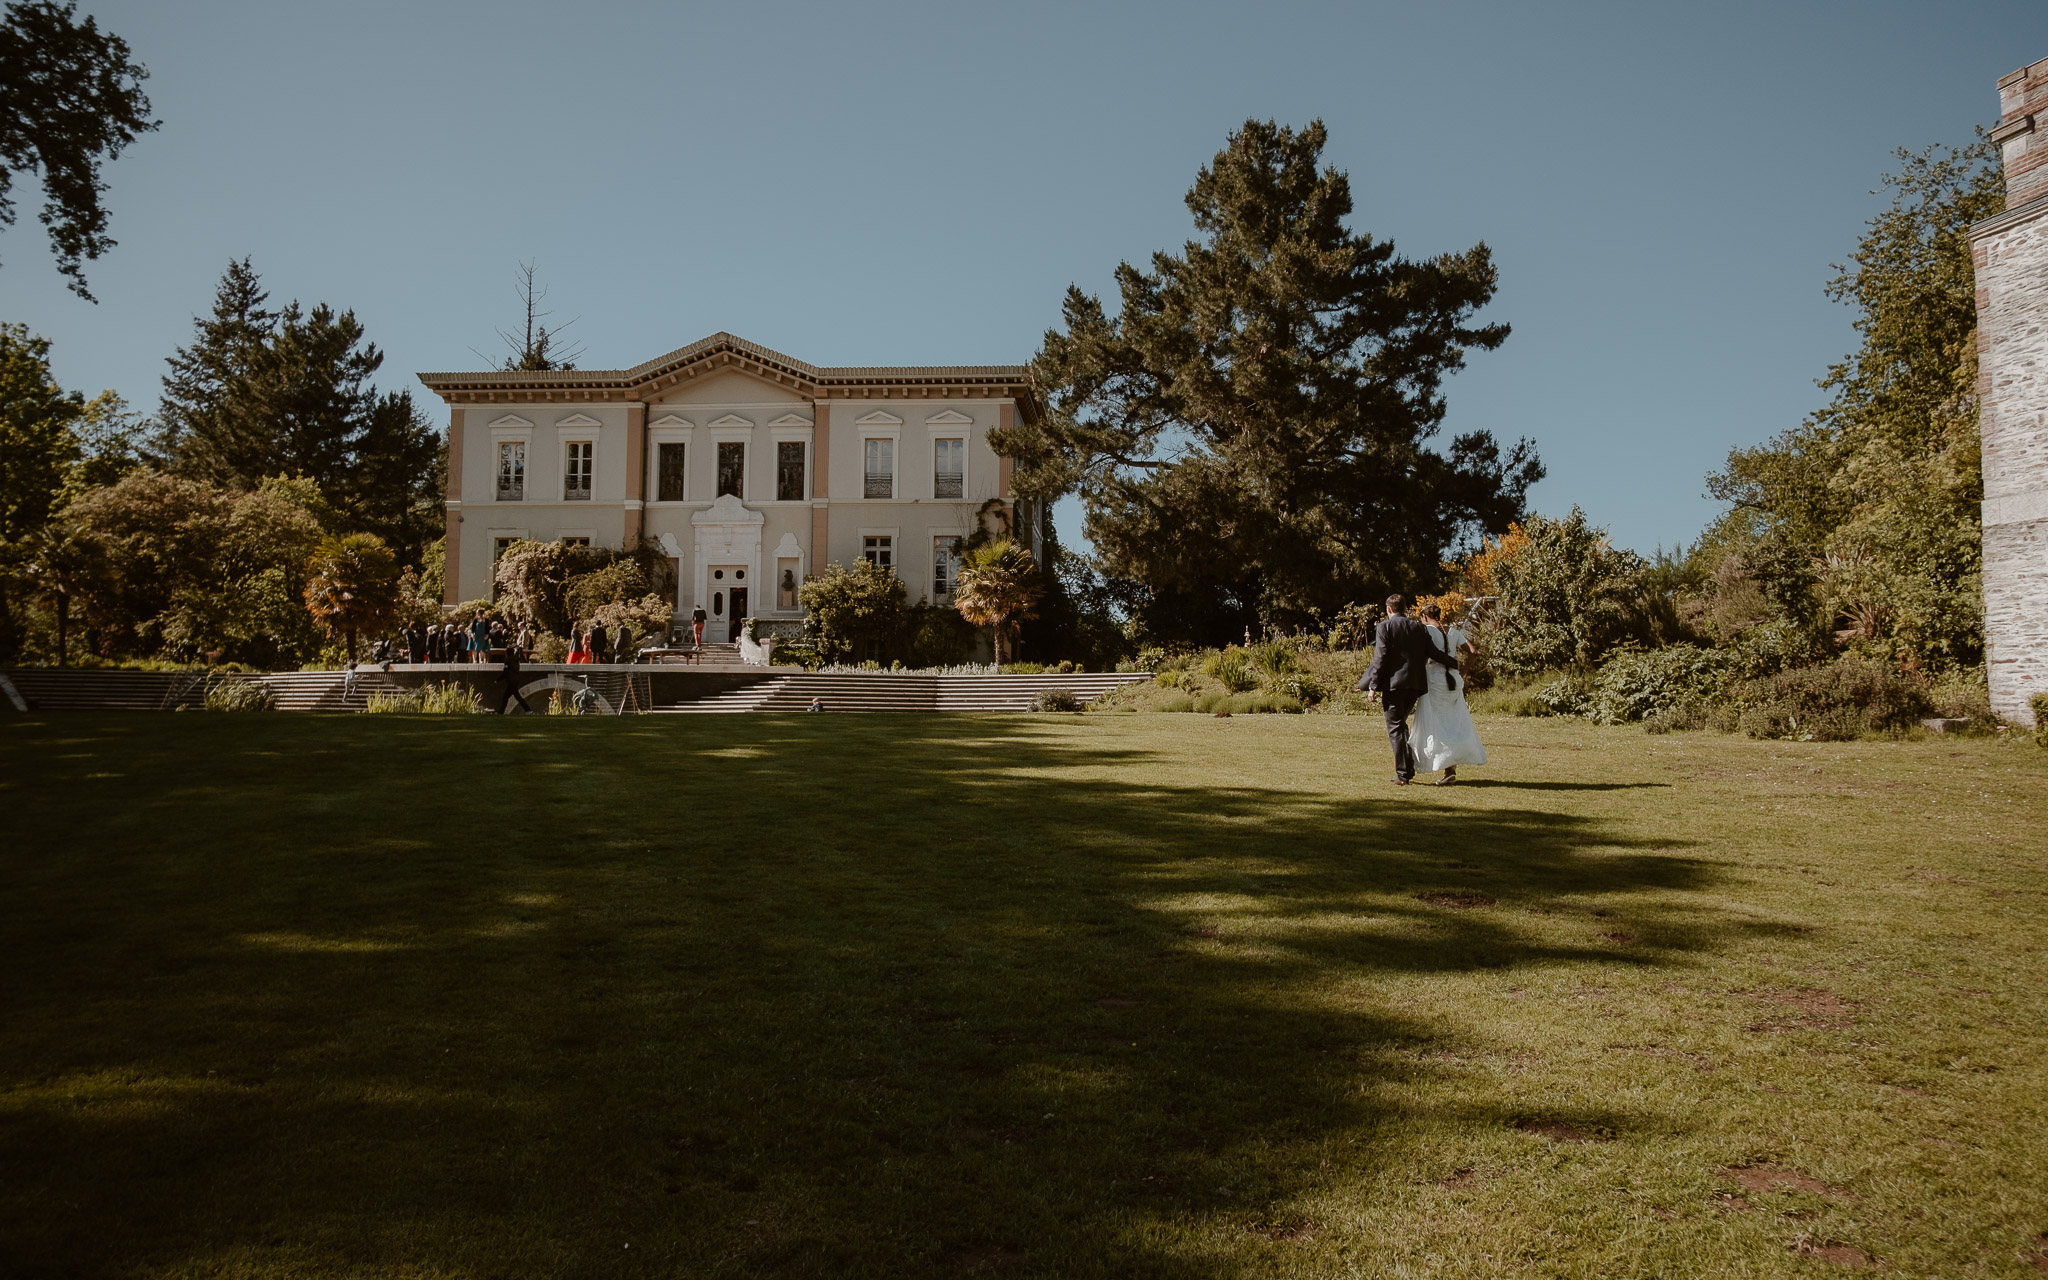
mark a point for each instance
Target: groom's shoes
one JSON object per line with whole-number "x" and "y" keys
{"x": 1400, "y": 782}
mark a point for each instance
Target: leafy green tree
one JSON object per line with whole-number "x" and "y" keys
{"x": 1249, "y": 431}
{"x": 1566, "y": 597}
{"x": 38, "y": 449}
{"x": 533, "y": 580}
{"x": 191, "y": 569}
{"x": 69, "y": 97}
{"x": 261, "y": 393}
{"x": 856, "y": 612}
{"x": 1864, "y": 521}
{"x": 354, "y": 586}
{"x": 999, "y": 588}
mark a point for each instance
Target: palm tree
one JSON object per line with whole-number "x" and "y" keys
{"x": 63, "y": 563}
{"x": 999, "y": 584}
{"x": 354, "y": 585}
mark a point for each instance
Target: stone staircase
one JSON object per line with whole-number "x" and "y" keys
{"x": 323, "y": 690}
{"x": 88, "y": 689}
{"x": 886, "y": 691}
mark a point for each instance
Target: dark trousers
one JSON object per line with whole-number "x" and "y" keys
{"x": 512, "y": 694}
{"x": 1400, "y": 704}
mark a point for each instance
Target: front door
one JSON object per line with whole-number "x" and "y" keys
{"x": 728, "y": 601}
{"x": 739, "y": 611}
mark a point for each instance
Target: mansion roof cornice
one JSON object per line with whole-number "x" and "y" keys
{"x": 724, "y": 351}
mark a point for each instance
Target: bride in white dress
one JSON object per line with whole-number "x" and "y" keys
{"x": 1444, "y": 736}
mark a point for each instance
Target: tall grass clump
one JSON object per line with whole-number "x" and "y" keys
{"x": 234, "y": 694}
{"x": 439, "y": 699}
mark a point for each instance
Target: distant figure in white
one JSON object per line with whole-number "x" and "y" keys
{"x": 1444, "y": 736}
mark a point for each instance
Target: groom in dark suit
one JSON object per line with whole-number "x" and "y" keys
{"x": 1399, "y": 676}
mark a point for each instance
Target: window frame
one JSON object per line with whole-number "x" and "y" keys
{"x": 718, "y": 466}
{"x": 500, "y": 445}
{"x": 953, "y": 567}
{"x": 892, "y": 439}
{"x": 570, "y": 445}
{"x": 961, "y": 440}
{"x": 803, "y": 446}
{"x": 888, "y": 536}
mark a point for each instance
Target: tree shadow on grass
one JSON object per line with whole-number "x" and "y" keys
{"x": 875, "y": 996}
{"x": 1514, "y": 784}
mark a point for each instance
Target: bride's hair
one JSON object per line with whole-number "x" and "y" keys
{"x": 1433, "y": 613}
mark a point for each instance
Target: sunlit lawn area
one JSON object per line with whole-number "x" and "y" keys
{"x": 1031, "y": 995}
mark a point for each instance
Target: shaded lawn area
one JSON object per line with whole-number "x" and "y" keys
{"x": 1030, "y": 995}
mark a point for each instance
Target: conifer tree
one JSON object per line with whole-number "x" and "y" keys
{"x": 1249, "y": 432}
{"x": 266, "y": 393}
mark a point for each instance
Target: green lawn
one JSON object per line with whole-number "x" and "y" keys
{"x": 1049, "y": 996}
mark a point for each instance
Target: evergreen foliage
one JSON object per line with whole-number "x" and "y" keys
{"x": 69, "y": 97}
{"x": 1564, "y": 596}
{"x": 265, "y": 393}
{"x": 1249, "y": 432}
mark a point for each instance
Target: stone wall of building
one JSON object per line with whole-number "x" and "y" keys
{"x": 2010, "y": 253}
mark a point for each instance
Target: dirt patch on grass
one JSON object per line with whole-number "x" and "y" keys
{"x": 1456, "y": 901}
{"x": 2039, "y": 1254}
{"x": 1761, "y": 1178}
{"x": 1847, "y": 1255}
{"x": 1462, "y": 1180}
{"x": 1806, "y": 1010}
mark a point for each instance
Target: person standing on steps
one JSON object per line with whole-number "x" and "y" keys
{"x": 697, "y": 619}
{"x": 480, "y": 640}
{"x": 1398, "y": 677}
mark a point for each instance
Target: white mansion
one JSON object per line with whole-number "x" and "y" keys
{"x": 748, "y": 468}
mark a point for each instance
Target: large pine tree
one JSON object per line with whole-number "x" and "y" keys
{"x": 265, "y": 393}
{"x": 1250, "y": 432}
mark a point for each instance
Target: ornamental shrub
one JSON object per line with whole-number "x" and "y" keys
{"x": 1302, "y": 688}
{"x": 2040, "y": 705}
{"x": 1637, "y": 684}
{"x": 1056, "y": 700}
{"x": 1233, "y": 670}
{"x": 233, "y": 694}
{"x": 1830, "y": 703}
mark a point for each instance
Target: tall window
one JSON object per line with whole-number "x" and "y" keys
{"x": 949, "y": 468}
{"x": 789, "y": 471}
{"x": 945, "y": 568}
{"x": 669, "y": 464}
{"x": 879, "y": 550}
{"x": 881, "y": 469}
{"x": 576, "y": 472}
{"x": 511, "y": 470}
{"x": 732, "y": 468}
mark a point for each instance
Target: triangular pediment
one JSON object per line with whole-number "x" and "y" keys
{"x": 950, "y": 418}
{"x": 879, "y": 418}
{"x": 791, "y": 420}
{"x": 579, "y": 420}
{"x": 728, "y": 510}
{"x": 731, "y": 420}
{"x": 509, "y": 421}
{"x": 671, "y": 420}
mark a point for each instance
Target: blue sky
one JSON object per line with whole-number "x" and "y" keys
{"x": 1664, "y": 186}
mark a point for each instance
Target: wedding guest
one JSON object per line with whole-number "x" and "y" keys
{"x": 623, "y": 644}
{"x": 697, "y": 620}
{"x": 480, "y": 639}
{"x": 600, "y": 643}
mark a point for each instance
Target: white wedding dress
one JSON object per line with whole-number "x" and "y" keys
{"x": 1444, "y": 735}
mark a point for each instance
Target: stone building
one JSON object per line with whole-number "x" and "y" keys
{"x": 2010, "y": 253}
{"x": 748, "y": 468}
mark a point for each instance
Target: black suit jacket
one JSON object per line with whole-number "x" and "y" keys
{"x": 1401, "y": 654}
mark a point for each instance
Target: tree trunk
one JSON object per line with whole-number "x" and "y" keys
{"x": 351, "y": 644}
{"x": 63, "y": 629}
